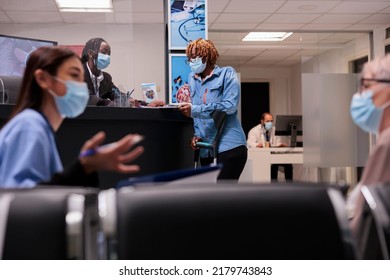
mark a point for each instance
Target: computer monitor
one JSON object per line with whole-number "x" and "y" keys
{"x": 12, "y": 86}
{"x": 15, "y": 51}
{"x": 289, "y": 125}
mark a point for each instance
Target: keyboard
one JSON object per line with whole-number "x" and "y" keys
{"x": 286, "y": 152}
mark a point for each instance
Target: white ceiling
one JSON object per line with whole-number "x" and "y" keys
{"x": 230, "y": 20}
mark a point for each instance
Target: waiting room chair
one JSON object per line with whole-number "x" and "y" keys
{"x": 49, "y": 223}
{"x": 374, "y": 235}
{"x": 261, "y": 221}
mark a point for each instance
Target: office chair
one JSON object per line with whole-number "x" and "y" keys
{"x": 219, "y": 118}
{"x": 246, "y": 221}
{"x": 53, "y": 223}
{"x": 374, "y": 234}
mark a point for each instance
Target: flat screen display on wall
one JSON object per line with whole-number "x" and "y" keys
{"x": 15, "y": 51}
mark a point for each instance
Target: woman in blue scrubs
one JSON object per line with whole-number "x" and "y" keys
{"x": 53, "y": 88}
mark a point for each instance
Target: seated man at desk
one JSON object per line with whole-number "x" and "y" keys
{"x": 263, "y": 136}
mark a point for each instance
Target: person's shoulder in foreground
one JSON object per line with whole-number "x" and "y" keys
{"x": 370, "y": 110}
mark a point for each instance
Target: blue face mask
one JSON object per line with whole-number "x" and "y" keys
{"x": 103, "y": 61}
{"x": 268, "y": 126}
{"x": 197, "y": 66}
{"x": 364, "y": 113}
{"x": 73, "y": 103}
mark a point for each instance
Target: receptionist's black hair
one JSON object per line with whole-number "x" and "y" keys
{"x": 94, "y": 45}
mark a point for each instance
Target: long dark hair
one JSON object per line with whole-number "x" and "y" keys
{"x": 94, "y": 45}
{"x": 46, "y": 58}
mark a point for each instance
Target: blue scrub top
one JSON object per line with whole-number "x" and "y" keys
{"x": 28, "y": 151}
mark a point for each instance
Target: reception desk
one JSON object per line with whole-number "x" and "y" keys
{"x": 167, "y": 136}
{"x": 258, "y": 166}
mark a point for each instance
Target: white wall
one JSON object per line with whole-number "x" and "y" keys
{"x": 137, "y": 51}
{"x": 336, "y": 61}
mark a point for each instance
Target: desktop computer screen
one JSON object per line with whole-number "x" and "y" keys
{"x": 289, "y": 125}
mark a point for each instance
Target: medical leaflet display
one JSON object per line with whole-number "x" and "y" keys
{"x": 187, "y": 22}
{"x": 149, "y": 92}
{"x": 179, "y": 70}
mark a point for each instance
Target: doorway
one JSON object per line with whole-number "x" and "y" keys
{"x": 254, "y": 102}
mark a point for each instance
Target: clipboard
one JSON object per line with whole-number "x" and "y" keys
{"x": 204, "y": 174}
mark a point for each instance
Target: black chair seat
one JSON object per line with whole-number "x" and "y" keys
{"x": 233, "y": 222}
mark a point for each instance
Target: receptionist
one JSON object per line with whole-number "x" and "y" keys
{"x": 102, "y": 91}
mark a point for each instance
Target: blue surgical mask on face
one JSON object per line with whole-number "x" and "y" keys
{"x": 103, "y": 61}
{"x": 268, "y": 126}
{"x": 197, "y": 66}
{"x": 364, "y": 113}
{"x": 73, "y": 103}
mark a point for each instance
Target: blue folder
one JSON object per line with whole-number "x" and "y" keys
{"x": 167, "y": 176}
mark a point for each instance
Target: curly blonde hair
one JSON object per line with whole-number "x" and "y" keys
{"x": 203, "y": 48}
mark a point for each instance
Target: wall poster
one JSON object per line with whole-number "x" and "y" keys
{"x": 187, "y": 22}
{"x": 178, "y": 79}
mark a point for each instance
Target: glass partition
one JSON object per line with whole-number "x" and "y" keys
{"x": 335, "y": 146}
{"x": 331, "y": 138}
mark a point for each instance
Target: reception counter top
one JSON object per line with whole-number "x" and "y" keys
{"x": 167, "y": 136}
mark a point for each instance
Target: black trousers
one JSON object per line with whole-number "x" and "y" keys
{"x": 233, "y": 163}
{"x": 288, "y": 172}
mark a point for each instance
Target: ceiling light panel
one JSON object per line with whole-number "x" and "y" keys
{"x": 266, "y": 36}
{"x": 85, "y": 5}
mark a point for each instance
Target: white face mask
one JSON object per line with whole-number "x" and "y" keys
{"x": 197, "y": 66}
{"x": 364, "y": 112}
{"x": 268, "y": 126}
{"x": 73, "y": 103}
{"x": 103, "y": 61}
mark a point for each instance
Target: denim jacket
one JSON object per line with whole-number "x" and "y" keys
{"x": 219, "y": 91}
